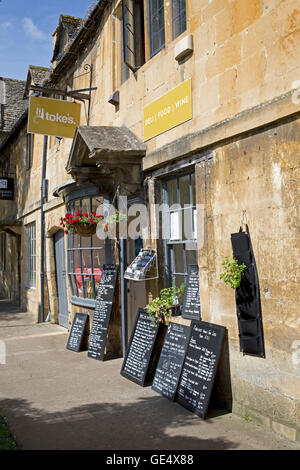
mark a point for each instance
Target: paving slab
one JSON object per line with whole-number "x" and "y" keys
{"x": 54, "y": 398}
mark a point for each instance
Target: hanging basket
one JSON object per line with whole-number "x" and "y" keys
{"x": 85, "y": 230}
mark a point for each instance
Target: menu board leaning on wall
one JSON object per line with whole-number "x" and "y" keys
{"x": 139, "y": 364}
{"x": 200, "y": 366}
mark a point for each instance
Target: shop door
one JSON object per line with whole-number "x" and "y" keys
{"x": 136, "y": 289}
{"x": 61, "y": 279}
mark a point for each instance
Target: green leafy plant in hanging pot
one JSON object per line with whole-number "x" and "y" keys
{"x": 164, "y": 306}
{"x": 232, "y": 272}
{"x": 114, "y": 220}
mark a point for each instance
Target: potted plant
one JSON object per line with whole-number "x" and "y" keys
{"x": 232, "y": 272}
{"x": 83, "y": 224}
{"x": 166, "y": 305}
{"x": 114, "y": 220}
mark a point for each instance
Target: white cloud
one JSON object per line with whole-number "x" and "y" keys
{"x": 32, "y": 30}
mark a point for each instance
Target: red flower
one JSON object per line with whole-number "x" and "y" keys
{"x": 66, "y": 232}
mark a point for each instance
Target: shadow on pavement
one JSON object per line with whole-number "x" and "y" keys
{"x": 149, "y": 423}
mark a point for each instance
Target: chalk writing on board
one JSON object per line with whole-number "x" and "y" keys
{"x": 200, "y": 366}
{"x": 171, "y": 360}
{"x": 137, "y": 362}
{"x": 102, "y": 313}
{"x": 191, "y": 303}
{"x": 77, "y": 331}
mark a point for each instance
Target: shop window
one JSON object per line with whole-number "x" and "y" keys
{"x": 86, "y": 257}
{"x": 3, "y": 251}
{"x": 180, "y": 245}
{"x": 178, "y": 17}
{"x": 133, "y": 33}
{"x": 29, "y": 150}
{"x": 156, "y": 26}
{"x": 30, "y": 256}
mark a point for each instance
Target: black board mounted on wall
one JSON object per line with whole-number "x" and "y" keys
{"x": 102, "y": 313}
{"x": 141, "y": 358}
{"x": 77, "y": 331}
{"x": 247, "y": 297}
{"x": 200, "y": 366}
{"x": 171, "y": 359}
{"x": 191, "y": 302}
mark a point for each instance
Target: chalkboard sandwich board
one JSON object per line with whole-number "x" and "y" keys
{"x": 200, "y": 366}
{"x": 171, "y": 359}
{"x": 102, "y": 313}
{"x": 77, "y": 331}
{"x": 191, "y": 302}
{"x": 142, "y": 355}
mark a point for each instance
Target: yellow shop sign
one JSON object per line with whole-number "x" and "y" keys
{"x": 170, "y": 110}
{"x": 53, "y": 117}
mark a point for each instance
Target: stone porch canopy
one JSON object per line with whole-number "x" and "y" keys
{"x": 107, "y": 157}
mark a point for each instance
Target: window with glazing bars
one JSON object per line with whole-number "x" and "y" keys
{"x": 180, "y": 246}
{"x": 178, "y": 17}
{"x": 30, "y": 255}
{"x": 29, "y": 150}
{"x": 86, "y": 255}
{"x": 156, "y": 26}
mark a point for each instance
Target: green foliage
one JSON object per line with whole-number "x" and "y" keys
{"x": 232, "y": 272}
{"x": 161, "y": 306}
{"x": 6, "y": 440}
{"x": 117, "y": 217}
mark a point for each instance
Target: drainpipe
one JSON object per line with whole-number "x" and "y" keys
{"x": 43, "y": 194}
{"x": 123, "y": 266}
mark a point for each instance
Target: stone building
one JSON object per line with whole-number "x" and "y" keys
{"x": 235, "y": 155}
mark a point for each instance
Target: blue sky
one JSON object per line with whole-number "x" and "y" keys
{"x": 26, "y": 28}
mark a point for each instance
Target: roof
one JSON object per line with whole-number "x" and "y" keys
{"x": 108, "y": 140}
{"x": 85, "y": 33}
{"x": 107, "y": 157}
{"x": 71, "y": 25}
{"x": 35, "y": 76}
{"x": 13, "y": 104}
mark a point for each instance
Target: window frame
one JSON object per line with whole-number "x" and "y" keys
{"x": 76, "y": 299}
{"x": 169, "y": 244}
{"x": 182, "y": 11}
{"x": 133, "y": 33}
{"x": 151, "y": 37}
{"x": 29, "y": 150}
{"x": 30, "y": 281}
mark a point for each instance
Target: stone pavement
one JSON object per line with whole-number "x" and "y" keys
{"x": 54, "y": 398}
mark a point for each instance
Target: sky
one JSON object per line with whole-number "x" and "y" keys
{"x": 26, "y": 28}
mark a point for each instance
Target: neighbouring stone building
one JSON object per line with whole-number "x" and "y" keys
{"x": 236, "y": 155}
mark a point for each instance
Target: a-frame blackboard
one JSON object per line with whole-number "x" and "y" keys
{"x": 138, "y": 364}
{"x": 200, "y": 366}
{"x": 171, "y": 360}
{"x": 104, "y": 303}
{"x": 77, "y": 331}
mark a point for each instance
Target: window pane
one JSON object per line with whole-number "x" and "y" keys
{"x": 178, "y": 259}
{"x": 178, "y": 17}
{"x": 184, "y": 188}
{"x": 191, "y": 257}
{"x": 157, "y": 25}
{"x": 172, "y": 192}
{"x": 30, "y": 256}
{"x": 193, "y": 189}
